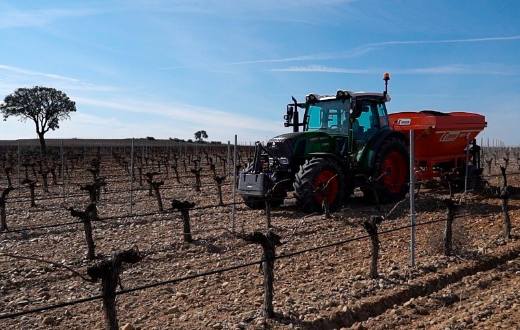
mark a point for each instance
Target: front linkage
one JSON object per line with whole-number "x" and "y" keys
{"x": 264, "y": 178}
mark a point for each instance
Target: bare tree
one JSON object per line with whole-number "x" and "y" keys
{"x": 201, "y": 135}
{"x": 45, "y": 106}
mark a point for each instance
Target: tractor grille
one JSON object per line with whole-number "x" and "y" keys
{"x": 280, "y": 148}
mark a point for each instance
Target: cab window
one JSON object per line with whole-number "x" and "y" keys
{"x": 329, "y": 116}
{"x": 367, "y": 124}
{"x": 383, "y": 117}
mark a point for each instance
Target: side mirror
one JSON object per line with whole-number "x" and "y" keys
{"x": 289, "y": 116}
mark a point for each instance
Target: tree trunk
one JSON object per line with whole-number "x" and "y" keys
{"x": 87, "y": 226}
{"x": 8, "y": 175}
{"x": 140, "y": 170}
{"x": 45, "y": 181}
{"x": 177, "y": 175}
{"x": 109, "y": 283}
{"x": 370, "y": 226}
{"x": 3, "y": 222}
{"x": 159, "y": 198}
{"x": 186, "y": 225}
{"x": 268, "y": 212}
{"x": 31, "y": 188}
{"x": 43, "y": 145}
{"x": 268, "y": 270}
{"x": 448, "y": 229}
{"x": 219, "y": 189}
{"x": 505, "y": 210}
{"x": 54, "y": 177}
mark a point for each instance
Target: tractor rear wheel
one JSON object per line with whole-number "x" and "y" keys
{"x": 391, "y": 170}
{"x": 319, "y": 179}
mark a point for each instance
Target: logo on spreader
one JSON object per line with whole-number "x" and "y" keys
{"x": 404, "y": 121}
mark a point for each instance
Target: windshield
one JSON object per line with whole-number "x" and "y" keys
{"x": 331, "y": 116}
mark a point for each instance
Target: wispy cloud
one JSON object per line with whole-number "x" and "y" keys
{"x": 359, "y": 51}
{"x": 444, "y": 41}
{"x": 484, "y": 69}
{"x": 323, "y": 69}
{"x": 310, "y": 57}
{"x": 18, "y": 70}
{"x": 222, "y": 6}
{"x": 14, "y": 18}
{"x": 182, "y": 112}
{"x": 15, "y": 77}
{"x": 366, "y": 48}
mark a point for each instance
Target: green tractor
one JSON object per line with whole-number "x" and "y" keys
{"x": 345, "y": 143}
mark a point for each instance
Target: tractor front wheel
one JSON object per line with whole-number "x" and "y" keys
{"x": 319, "y": 180}
{"x": 391, "y": 170}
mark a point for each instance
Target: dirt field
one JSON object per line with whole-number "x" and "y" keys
{"x": 326, "y": 288}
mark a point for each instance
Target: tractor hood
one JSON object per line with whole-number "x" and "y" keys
{"x": 298, "y": 144}
{"x": 282, "y": 145}
{"x": 298, "y": 136}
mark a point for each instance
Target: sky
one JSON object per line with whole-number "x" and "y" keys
{"x": 138, "y": 68}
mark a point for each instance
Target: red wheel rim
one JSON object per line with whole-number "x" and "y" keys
{"x": 326, "y": 184}
{"x": 394, "y": 169}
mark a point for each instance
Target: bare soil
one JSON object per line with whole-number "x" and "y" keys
{"x": 311, "y": 289}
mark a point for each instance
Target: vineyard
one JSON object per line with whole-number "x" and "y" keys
{"x": 150, "y": 234}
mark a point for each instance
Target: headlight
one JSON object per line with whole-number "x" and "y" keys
{"x": 283, "y": 160}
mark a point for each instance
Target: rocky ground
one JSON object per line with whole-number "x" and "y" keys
{"x": 326, "y": 288}
{"x": 486, "y": 300}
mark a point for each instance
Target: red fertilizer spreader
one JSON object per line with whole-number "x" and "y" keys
{"x": 443, "y": 142}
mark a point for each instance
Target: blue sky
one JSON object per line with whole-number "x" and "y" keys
{"x": 168, "y": 68}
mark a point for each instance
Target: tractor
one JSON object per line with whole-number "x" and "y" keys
{"x": 349, "y": 141}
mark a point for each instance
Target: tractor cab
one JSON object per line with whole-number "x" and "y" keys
{"x": 349, "y": 117}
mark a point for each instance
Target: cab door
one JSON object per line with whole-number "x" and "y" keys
{"x": 383, "y": 115}
{"x": 368, "y": 122}
{"x": 340, "y": 135}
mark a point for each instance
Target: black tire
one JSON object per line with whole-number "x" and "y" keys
{"x": 391, "y": 171}
{"x": 310, "y": 175}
